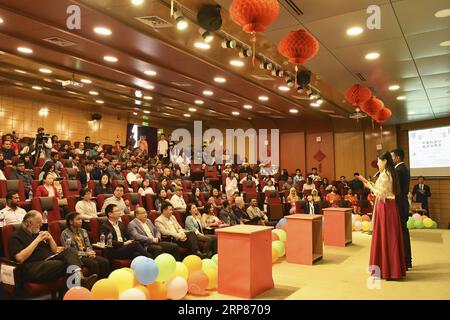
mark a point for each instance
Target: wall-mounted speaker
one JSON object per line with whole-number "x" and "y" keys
{"x": 96, "y": 116}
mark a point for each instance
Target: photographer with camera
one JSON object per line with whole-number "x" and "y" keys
{"x": 42, "y": 146}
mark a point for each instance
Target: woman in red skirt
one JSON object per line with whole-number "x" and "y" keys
{"x": 386, "y": 252}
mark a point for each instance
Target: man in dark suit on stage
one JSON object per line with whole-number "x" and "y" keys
{"x": 402, "y": 200}
{"x": 422, "y": 192}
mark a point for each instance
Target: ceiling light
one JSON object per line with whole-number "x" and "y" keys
{"x": 248, "y": 106}
{"x": 110, "y": 59}
{"x": 283, "y": 88}
{"x": 235, "y": 113}
{"x": 135, "y": 113}
{"x": 266, "y": 65}
{"x": 277, "y": 72}
{"x": 245, "y": 53}
{"x": 37, "y": 88}
{"x": 263, "y": 98}
{"x": 20, "y": 71}
{"x": 445, "y": 43}
{"x": 103, "y": 31}
{"x": 202, "y": 45}
{"x": 44, "y": 70}
{"x": 150, "y": 73}
{"x": 94, "y": 93}
{"x": 228, "y": 44}
{"x": 137, "y": 2}
{"x": 180, "y": 21}
{"x": 138, "y": 94}
{"x": 25, "y": 50}
{"x": 148, "y": 86}
{"x": 411, "y": 113}
{"x": 208, "y": 92}
{"x": 290, "y": 82}
{"x": 314, "y": 104}
{"x": 138, "y": 102}
{"x": 192, "y": 109}
{"x": 237, "y": 63}
{"x": 187, "y": 115}
{"x": 394, "y": 87}
{"x": 148, "y": 98}
{"x": 401, "y": 98}
{"x": 293, "y": 110}
{"x": 206, "y": 35}
{"x": 43, "y": 112}
{"x": 354, "y": 31}
{"x": 319, "y": 101}
{"x": 100, "y": 101}
{"x": 87, "y": 81}
{"x": 220, "y": 79}
{"x": 372, "y": 56}
{"x": 1, "y": 20}
{"x": 146, "y": 111}
{"x": 442, "y": 13}
{"x": 199, "y": 102}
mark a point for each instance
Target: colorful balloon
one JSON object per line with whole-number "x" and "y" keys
{"x": 182, "y": 270}
{"x": 78, "y": 293}
{"x": 157, "y": 290}
{"x": 123, "y": 279}
{"x": 193, "y": 263}
{"x": 365, "y": 218}
{"x": 365, "y": 226}
{"x": 428, "y": 223}
{"x": 198, "y": 283}
{"x": 418, "y": 224}
{"x": 417, "y": 216}
{"x": 144, "y": 290}
{"x": 274, "y": 254}
{"x": 281, "y": 223}
{"x": 211, "y": 273}
{"x": 358, "y": 225}
{"x": 145, "y": 270}
{"x": 208, "y": 263}
{"x": 410, "y": 224}
{"x": 215, "y": 258}
{"x": 132, "y": 294}
{"x": 167, "y": 266}
{"x": 105, "y": 289}
{"x": 177, "y": 288}
{"x": 279, "y": 245}
{"x": 281, "y": 234}
{"x": 358, "y": 218}
{"x": 275, "y": 236}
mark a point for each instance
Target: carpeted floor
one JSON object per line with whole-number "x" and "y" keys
{"x": 342, "y": 273}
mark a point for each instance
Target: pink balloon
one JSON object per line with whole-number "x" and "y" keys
{"x": 417, "y": 216}
{"x": 177, "y": 288}
{"x": 358, "y": 225}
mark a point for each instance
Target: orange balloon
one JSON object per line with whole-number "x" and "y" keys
{"x": 144, "y": 290}
{"x": 275, "y": 237}
{"x": 365, "y": 217}
{"x": 105, "y": 289}
{"x": 78, "y": 293}
{"x": 274, "y": 255}
{"x": 157, "y": 290}
{"x": 198, "y": 283}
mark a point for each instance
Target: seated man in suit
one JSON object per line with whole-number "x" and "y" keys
{"x": 122, "y": 248}
{"x": 141, "y": 229}
{"x": 169, "y": 227}
{"x": 421, "y": 192}
{"x": 84, "y": 175}
{"x": 34, "y": 249}
{"x": 310, "y": 206}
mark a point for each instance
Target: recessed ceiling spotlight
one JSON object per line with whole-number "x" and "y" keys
{"x": 411, "y": 113}
{"x": 135, "y": 113}
{"x": 319, "y": 101}
{"x": 445, "y": 43}
{"x": 266, "y": 65}
{"x": 354, "y": 31}
{"x": 94, "y": 93}
{"x": 44, "y": 70}
{"x": 137, "y": 102}
{"x": 148, "y": 87}
{"x": 442, "y": 13}
{"x": 290, "y": 82}
{"x": 138, "y": 94}
{"x": 146, "y": 112}
{"x": 245, "y": 53}
{"x": 314, "y": 104}
{"x": 199, "y": 102}
{"x": 100, "y": 101}
{"x": 283, "y": 88}
{"x": 192, "y": 109}
{"x": 293, "y": 110}
{"x": 110, "y": 58}
{"x": 25, "y": 50}
{"x": 148, "y": 98}
{"x": 206, "y": 35}
{"x": 237, "y": 63}
{"x": 220, "y": 79}
{"x": 277, "y": 72}
{"x": 202, "y": 45}
{"x": 150, "y": 73}
{"x": 394, "y": 87}
{"x": 187, "y": 115}
{"x": 263, "y": 98}
{"x": 228, "y": 44}
{"x": 235, "y": 113}
{"x": 20, "y": 71}
{"x": 103, "y": 31}
{"x": 401, "y": 98}
{"x": 1, "y": 20}
{"x": 180, "y": 21}
{"x": 137, "y": 2}
{"x": 248, "y": 106}
{"x": 87, "y": 81}
{"x": 372, "y": 56}
{"x": 208, "y": 92}
{"x": 36, "y": 88}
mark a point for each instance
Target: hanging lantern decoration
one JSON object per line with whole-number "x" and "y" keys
{"x": 372, "y": 106}
{"x": 382, "y": 115}
{"x": 254, "y": 16}
{"x": 298, "y": 46}
{"x": 358, "y": 94}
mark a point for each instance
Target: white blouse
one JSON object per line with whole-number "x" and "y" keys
{"x": 147, "y": 190}
{"x": 383, "y": 188}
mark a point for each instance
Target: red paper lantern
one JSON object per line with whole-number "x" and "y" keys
{"x": 254, "y": 15}
{"x": 372, "y": 106}
{"x": 382, "y": 115}
{"x": 358, "y": 94}
{"x": 298, "y": 46}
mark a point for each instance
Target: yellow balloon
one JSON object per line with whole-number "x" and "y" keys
{"x": 144, "y": 290}
{"x": 193, "y": 263}
{"x": 105, "y": 289}
{"x": 182, "y": 270}
{"x": 365, "y": 226}
{"x": 358, "y": 217}
{"x": 428, "y": 223}
{"x": 211, "y": 273}
{"x": 123, "y": 279}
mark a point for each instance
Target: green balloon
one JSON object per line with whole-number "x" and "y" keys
{"x": 215, "y": 258}
{"x": 418, "y": 224}
{"x": 208, "y": 263}
{"x": 279, "y": 245}
{"x": 410, "y": 224}
{"x": 434, "y": 226}
{"x": 281, "y": 234}
{"x": 167, "y": 266}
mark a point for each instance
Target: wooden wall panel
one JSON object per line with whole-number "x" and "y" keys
{"x": 372, "y": 138}
{"x": 326, "y": 167}
{"x": 349, "y": 154}
{"x": 292, "y": 151}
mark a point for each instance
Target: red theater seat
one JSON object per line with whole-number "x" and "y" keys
{"x": 47, "y": 203}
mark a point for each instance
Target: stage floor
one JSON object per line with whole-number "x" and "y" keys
{"x": 342, "y": 273}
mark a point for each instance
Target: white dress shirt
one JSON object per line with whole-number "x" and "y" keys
{"x": 117, "y": 229}
{"x": 12, "y": 216}
{"x": 163, "y": 146}
{"x": 178, "y": 202}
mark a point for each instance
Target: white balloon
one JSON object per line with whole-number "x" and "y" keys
{"x": 132, "y": 294}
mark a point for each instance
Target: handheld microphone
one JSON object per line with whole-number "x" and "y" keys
{"x": 376, "y": 174}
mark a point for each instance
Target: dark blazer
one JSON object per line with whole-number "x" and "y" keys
{"x": 404, "y": 178}
{"x": 306, "y": 208}
{"x": 97, "y": 173}
{"x": 422, "y": 198}
{"x": 82, "y": 176}
{"x": 107, "y": 228}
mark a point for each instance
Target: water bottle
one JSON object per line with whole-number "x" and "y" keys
{"x": 68, "y": 243}
{"x": 30, "y": 195}
{"x": 102, "y": 239}
{"x": 109, "y": 240}
{"x": 45, "y": 216}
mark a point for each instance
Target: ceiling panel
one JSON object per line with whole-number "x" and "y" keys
{"x": 426, "y": 44}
